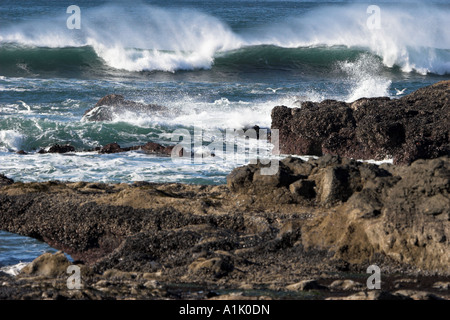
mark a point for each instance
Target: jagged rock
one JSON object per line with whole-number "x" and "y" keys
{"x": 61, "y": 149}
{"x": 305, "y": 285}
{"x": 48, "y": 265}
{"x": 4, "y": 180}
{"x": 417, "y": 295}
{"x": 412, "y": 127}
{"x": 56, "y": 148}
{"x": 149, "y": 147}
{"x": 346, "y": 285}
{"x": 414, "y": 197}
{"x": 112, "y": 105}
{"x": 304, "y": 188}
{"x": 442, "y": 285}
{"x": 112, "y": 148}
{"x": 217, "y": 266}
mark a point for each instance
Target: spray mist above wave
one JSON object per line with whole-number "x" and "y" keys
{"x": 413, "y": 37}
{"x": 136, "y": 38}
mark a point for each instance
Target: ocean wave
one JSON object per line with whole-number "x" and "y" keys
{"x": 25, "y": 61}
{"x": 411, "y": 39}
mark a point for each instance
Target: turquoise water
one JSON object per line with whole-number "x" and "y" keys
{"x": 16, "y": 249}
{"x": 216, "y": 65}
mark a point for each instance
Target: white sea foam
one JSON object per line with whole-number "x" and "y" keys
{"x": 123, "y": 167}
{"x": 14, "y": 270}
{"x": 220, "y": 113}
{"x": 14, "y": 89}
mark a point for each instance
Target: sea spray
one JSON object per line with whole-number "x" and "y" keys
{"x": 10, "y": 140}
{"x": 365, "y": 78}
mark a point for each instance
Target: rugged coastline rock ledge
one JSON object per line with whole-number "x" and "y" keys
{"x": 415, "y": 126}
{"x": 308, "y": 232}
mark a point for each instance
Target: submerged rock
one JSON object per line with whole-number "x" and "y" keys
{"x": 112, "y": 105}
{"x": 406, "y": 129}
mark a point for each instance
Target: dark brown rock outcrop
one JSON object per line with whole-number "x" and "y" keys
{"x": 400, "y": 212}
{"x": 149, "y": 147}
{"x": 4, "y": 180}
{"x": 56, "y": 148}
{"x": 112, "y": 105}
{"x": 415, "y": 126}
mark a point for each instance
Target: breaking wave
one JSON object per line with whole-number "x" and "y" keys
{"x": 149, "y": 38}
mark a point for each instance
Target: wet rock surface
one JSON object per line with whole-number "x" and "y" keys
{"x": 4, "y": 180}
{"x": 289, "y": 235}
{"x": 149, "y": 147}
{"x": 114, "y": 106}
{"x": 56, "y": 148}
{"x": 406, "y": 129}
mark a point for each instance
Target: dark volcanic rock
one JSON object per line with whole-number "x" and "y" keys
{"x": 115, "y": 104}
{"x": 61, "y": 149}
{"x": 149, "y": 147}
{"x": 56, "y": 148}
{"x": 112, "y": 148}
{"x": 412, "y": 127}
{"x": 327, "y": 180}
{"x": 403, "y": 212}
{"x": 4, "y": 180}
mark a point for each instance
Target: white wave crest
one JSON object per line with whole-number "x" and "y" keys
{"x": 11, "y": 139}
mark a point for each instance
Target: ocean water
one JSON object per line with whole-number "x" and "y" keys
{"x": 216, "y": 66}
{"x": 16, "y": 251}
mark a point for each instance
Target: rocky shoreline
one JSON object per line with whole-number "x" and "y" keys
{"x": 308, "y": 232}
